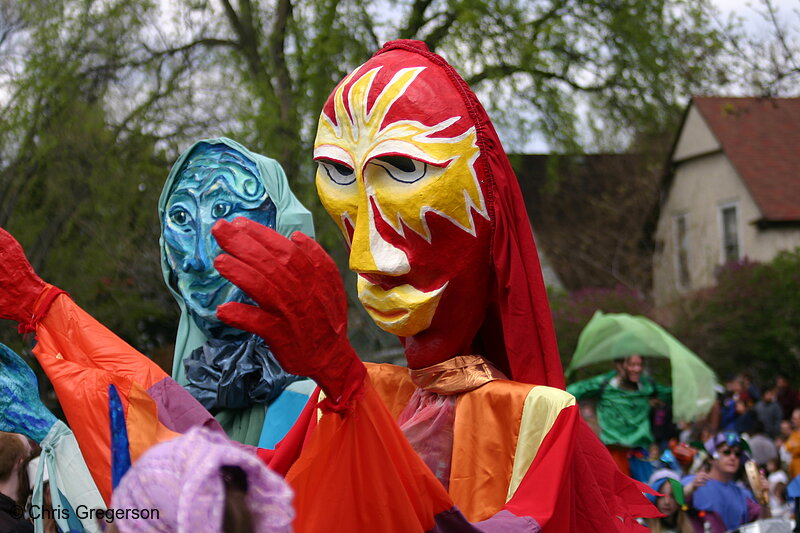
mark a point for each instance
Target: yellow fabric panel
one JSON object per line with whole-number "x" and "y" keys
{"x": 542, "y": 407}
{"x": 485, "y": 438}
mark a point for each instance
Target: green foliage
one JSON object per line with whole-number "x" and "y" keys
{"x": 750, "y": 320}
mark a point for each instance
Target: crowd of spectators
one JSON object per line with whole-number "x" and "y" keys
{"x": 751, "y": 422}
{"x": 699, "y": 468}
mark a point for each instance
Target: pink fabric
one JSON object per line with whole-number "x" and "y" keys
{"x": 427, "y": 422}
{"x": 182, "y": 479}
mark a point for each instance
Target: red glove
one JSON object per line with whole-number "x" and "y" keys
{"x": 24, "y": 296}
{"x": 302, "y": 307}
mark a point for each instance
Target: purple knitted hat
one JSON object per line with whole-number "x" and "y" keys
{"x": 181, "y": 478}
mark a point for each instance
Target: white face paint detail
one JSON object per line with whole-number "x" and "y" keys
{"x": 336, "y": 153}
{"x": 346, "y": 217}
{"x": 388, "y": 259}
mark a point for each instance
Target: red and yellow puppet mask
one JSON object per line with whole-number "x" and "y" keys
{"x": 397, "y": 172}
{"x": 412, "y": 171}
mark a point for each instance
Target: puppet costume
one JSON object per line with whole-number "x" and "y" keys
{"x": 412, "y": 172}
{"x": 240, "y": 378}
{"x": 507, "y": 436}
{"x": 60, "y": 462}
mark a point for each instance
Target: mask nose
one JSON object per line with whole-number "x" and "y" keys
{"x": 370, "y": 253}
{"x": 199, "y": 261}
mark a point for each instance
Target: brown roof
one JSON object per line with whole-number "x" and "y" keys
{"x": 761, "y": 138}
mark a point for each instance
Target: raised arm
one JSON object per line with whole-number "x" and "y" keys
{"x": 589, "y": 388}
{"x": 302, "y": 308}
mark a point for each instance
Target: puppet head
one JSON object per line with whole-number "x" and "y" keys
{"x": 397, "y": 154}
{"x": 215, "y": 182}
{"x": 411, "y": 170}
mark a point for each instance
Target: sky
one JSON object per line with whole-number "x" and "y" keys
{"x": 747, "y": 9}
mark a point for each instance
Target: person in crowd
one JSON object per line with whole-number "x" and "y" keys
{"x": 670, "y": 504}
{"x": 769, "y": 411}
{"x": 728, "y": 412}
{"x": 786, "y": 396}
{"x": 783, "y": 454}
{"x": 779, "y": 505}
{"x": 725, "y": 503}
{"x": 624, "y": 397}
{"x": 786, "y": 428}
{"x": 748, "y": 390}
{"x": 792, "y": 444}
{"x": 661, "y": 423}
{"x": 15, "y": 452}
{"x": 745, "y": 417}
{"x": 201, "y": 481}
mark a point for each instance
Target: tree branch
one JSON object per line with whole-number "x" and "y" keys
{"x": 245, "y": 30}
{"x": 169, "y": 52}
{"x": 436, "y": 35}
{"x": 503, "y": 70}
{"x": 416, "y": 19}
{"x": 277, "y": 44}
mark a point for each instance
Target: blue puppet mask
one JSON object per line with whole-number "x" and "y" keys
{"x": 216, "y": 182}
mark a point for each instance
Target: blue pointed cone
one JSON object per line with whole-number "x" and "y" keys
{"x": 120, "y": 451}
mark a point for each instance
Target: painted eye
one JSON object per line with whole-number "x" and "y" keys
{"x": 402, "y": 169}
{"x": 179, "y": 216}
{"x": 338, "y": 173}
{"x": 220, "y": 209}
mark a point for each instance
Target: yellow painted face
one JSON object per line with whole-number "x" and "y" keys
{"x": 384, "y": 171}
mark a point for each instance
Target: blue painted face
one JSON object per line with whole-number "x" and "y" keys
{"x": 215, "y": 182}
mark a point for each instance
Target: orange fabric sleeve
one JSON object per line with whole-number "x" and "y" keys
{"x": 81, "y": 357}
{"x": 358, "y": 470}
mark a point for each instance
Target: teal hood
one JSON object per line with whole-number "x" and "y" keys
{"x": 291, "y": 217}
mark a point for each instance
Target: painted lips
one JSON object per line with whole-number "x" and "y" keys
{"x": 402, "y": 310}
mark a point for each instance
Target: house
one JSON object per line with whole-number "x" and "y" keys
{"x": 731, "y": 191}
{"x": 589, "y": 214}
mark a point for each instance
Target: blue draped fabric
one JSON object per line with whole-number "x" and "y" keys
{"x": 232, "y": 375}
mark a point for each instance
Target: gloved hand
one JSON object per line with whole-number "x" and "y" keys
{"x": 302, "y": 307}
{"x": 20, "y": 287}
{"x": 21, "y": 409}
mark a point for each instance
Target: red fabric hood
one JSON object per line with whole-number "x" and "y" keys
{"x": 517, "y": 333}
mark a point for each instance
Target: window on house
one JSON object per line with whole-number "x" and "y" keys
{"x": 731, "y": 251}
{"x": 682, "y": 250}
